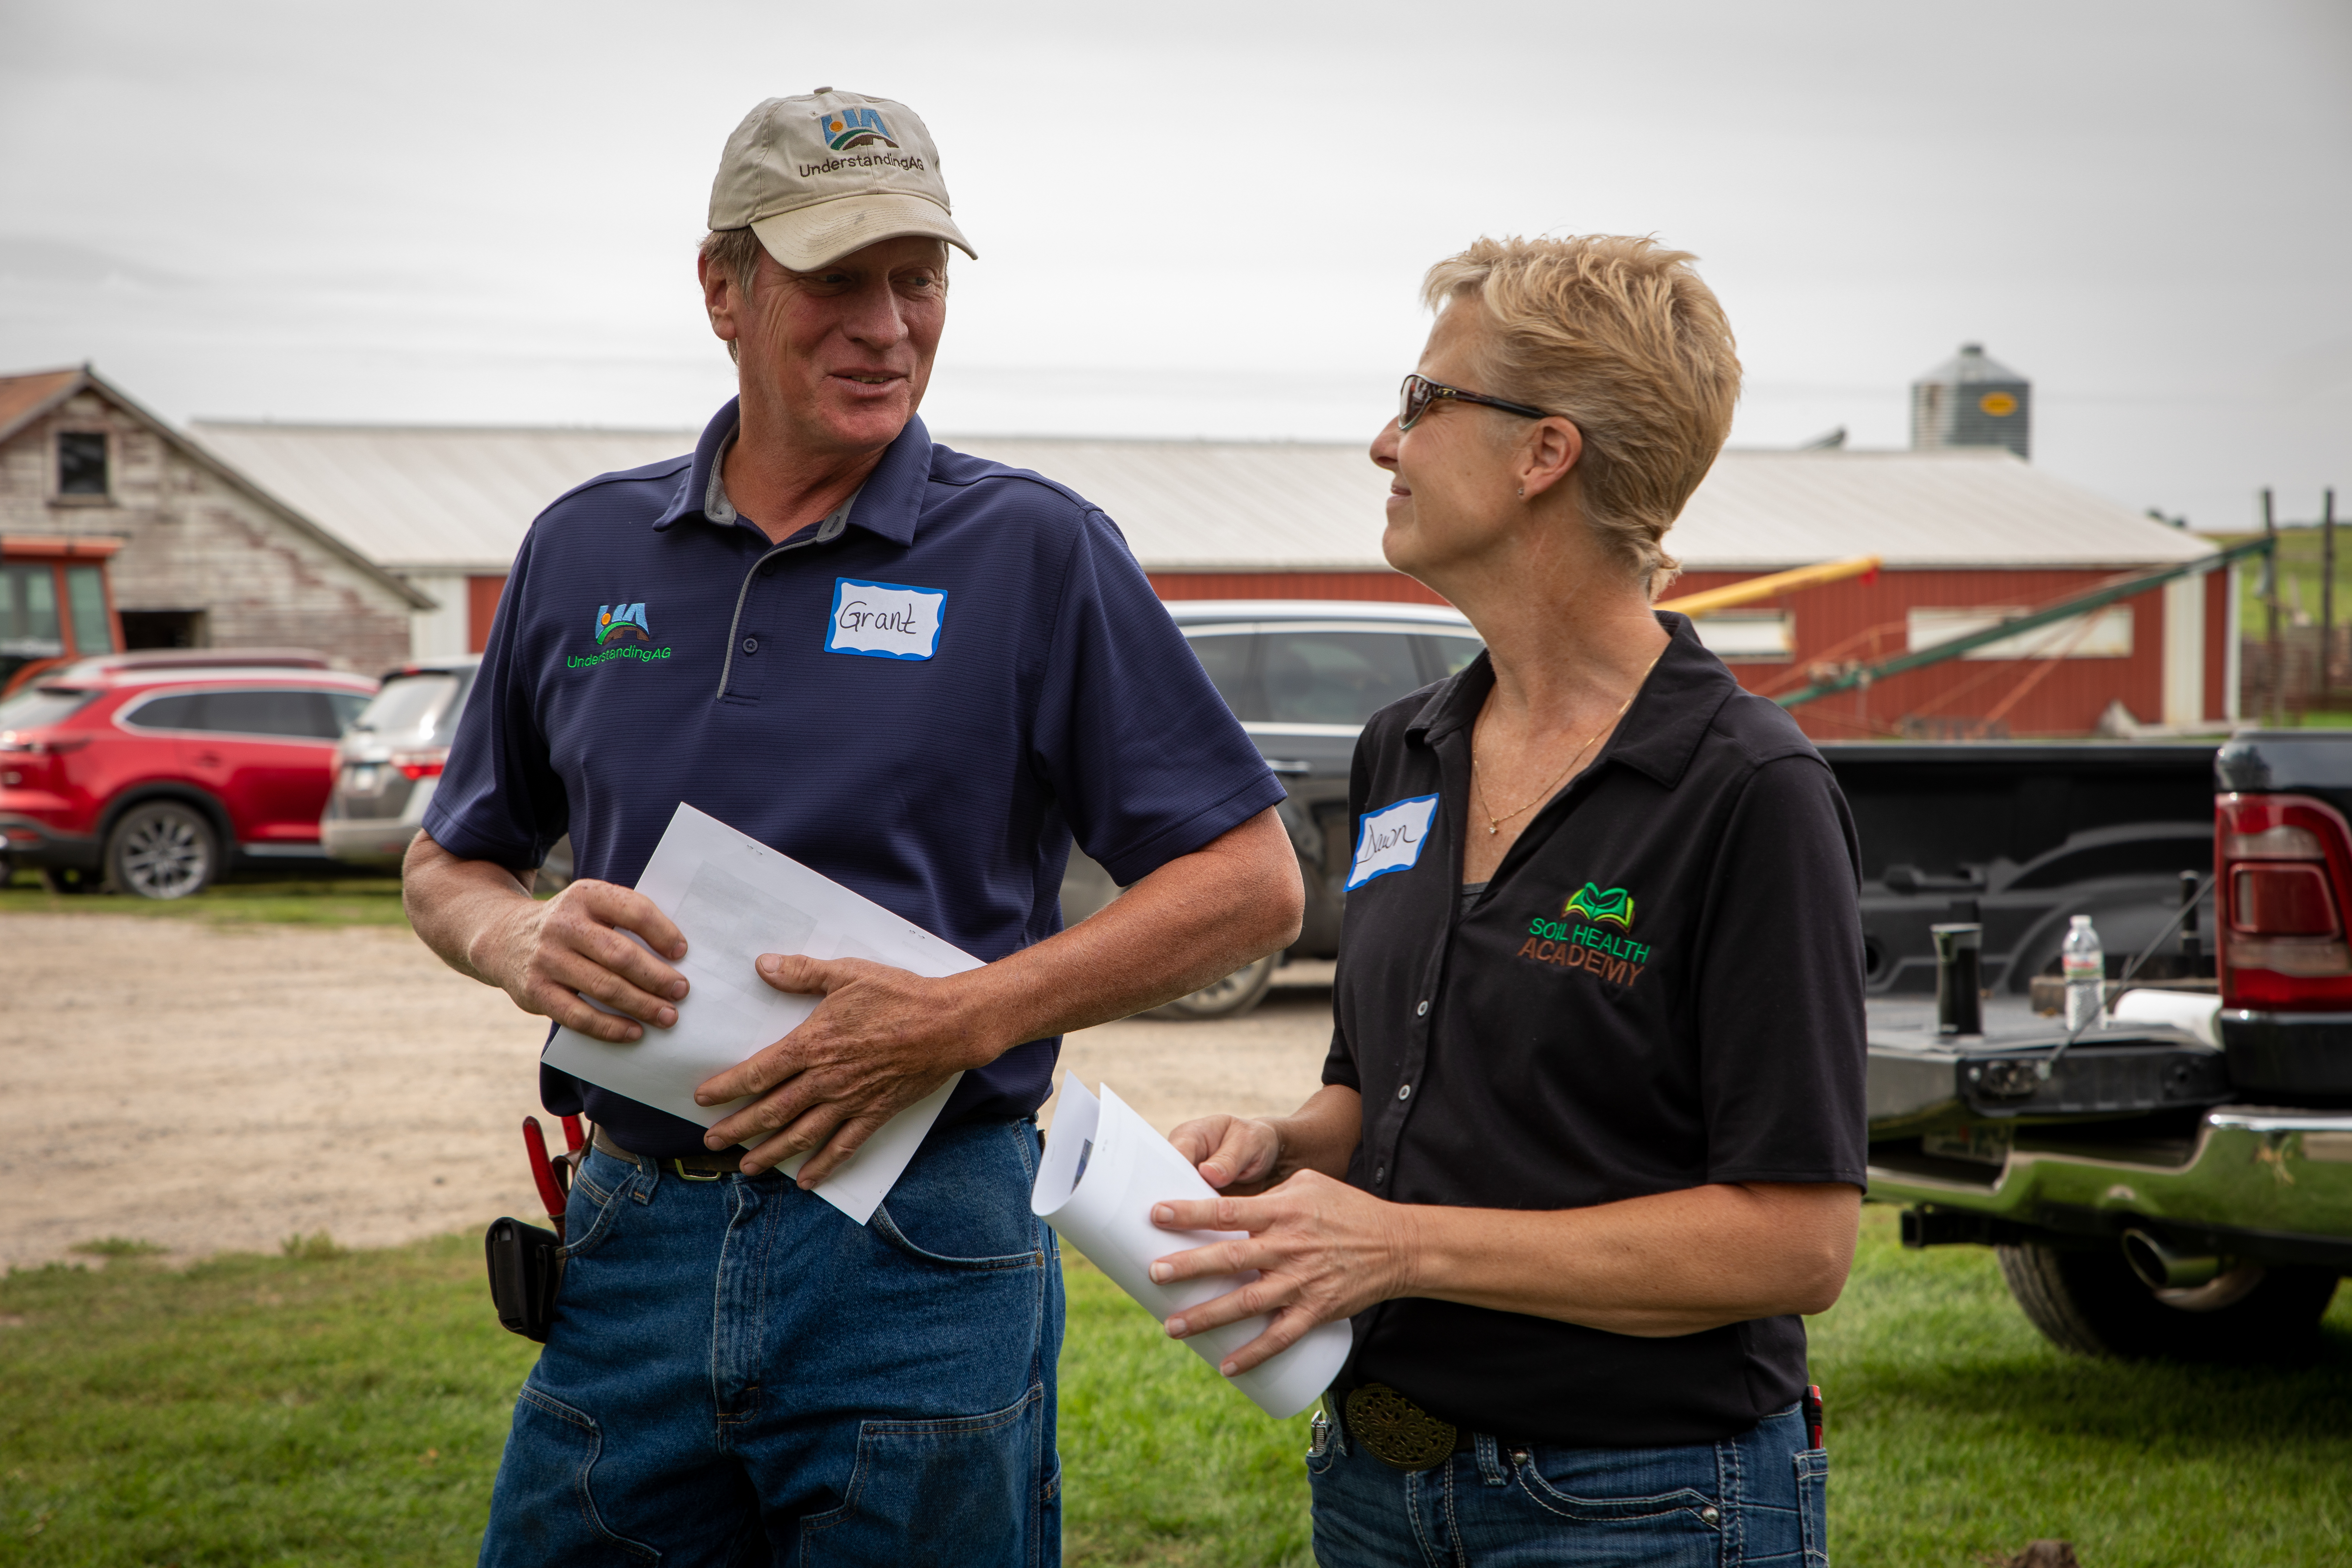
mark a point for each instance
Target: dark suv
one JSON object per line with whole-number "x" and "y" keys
{"x": 1302, "y": 676}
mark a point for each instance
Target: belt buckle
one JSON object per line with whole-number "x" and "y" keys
{"x": 686, "y": 1175}
{"x": 1396, "y": 1431}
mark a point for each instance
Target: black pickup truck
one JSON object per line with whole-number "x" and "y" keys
{"x": 2176, "y": 1179}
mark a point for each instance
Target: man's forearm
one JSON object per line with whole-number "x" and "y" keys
{"x": 453, "y": 904}
{"x": 1195, "y": 920}
{"x": 1668, "y": 1264}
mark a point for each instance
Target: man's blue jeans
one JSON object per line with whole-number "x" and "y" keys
{"x": 1751, "y": 1501}
{"x": 740, "y": 1374}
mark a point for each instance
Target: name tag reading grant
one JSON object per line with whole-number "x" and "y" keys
{"x": 885, "y": 620}
{"x": 1391, "y": 839}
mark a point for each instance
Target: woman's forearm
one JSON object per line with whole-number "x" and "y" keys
{"x": 1321, "y": 1135}
{"x": 1656, "y": 1267}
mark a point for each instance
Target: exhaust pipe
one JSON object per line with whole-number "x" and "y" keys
{"x": 2160, "y": 1268}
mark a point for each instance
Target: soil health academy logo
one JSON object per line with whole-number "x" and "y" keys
{"x": 1568, "y": 942}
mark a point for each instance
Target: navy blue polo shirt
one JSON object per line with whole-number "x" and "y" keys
{"x": 925, "y": 705}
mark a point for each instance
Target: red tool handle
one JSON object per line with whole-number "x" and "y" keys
{"x": 534, "y": 1142}
{"x": 574, "y": 1137}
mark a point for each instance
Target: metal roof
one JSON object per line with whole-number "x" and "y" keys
{"x": 417, "y": 499}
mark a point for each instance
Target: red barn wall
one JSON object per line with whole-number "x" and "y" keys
{"x": 1857, "y": 621}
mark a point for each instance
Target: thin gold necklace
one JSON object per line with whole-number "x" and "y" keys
{"x": 1494, "y": 823}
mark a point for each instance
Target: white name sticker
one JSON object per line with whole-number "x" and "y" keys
{"x": 885, "y": 620}
{"x": 1391, "y": 839}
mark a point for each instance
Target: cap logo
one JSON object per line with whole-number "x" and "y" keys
{"x": 846, "y": 128}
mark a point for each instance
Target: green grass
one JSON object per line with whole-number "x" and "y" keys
{"x": 1956, "y": 1431}
{"x": 348, "y": 1407}
{"x": 348, "y": 902}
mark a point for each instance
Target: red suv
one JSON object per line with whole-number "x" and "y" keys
{"x": 152, "y": 776}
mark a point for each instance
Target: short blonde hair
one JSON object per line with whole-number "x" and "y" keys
{"x": 1621, "y": 337}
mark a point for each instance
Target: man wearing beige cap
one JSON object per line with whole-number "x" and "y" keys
{"x": 921, "y": 674}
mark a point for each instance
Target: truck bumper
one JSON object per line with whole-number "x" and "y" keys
{"x": 2267, "y": 1185}
{"x": 2288, "y": 1053}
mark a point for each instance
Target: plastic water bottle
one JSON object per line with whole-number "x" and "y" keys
{"x": 2085, "y": 967}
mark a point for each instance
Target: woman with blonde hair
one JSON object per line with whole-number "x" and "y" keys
{"x": 1590, "y": 1134}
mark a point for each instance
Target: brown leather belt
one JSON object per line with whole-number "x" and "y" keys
{"x": 1394, "y": 1430}
{"x": 703, "y": 1168}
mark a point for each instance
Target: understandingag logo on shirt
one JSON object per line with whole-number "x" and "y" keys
{"x": 623, "y": 631}
{"x": 1576, "y": 939}
{"x": 616, "y": 622}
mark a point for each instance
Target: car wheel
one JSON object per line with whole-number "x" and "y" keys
{"x": 161, "y": 850}
{"x": 1230, "y": 998}
{"x": 2090, "y": 1302}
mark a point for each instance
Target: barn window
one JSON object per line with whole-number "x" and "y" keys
{"x": 2102, "y": 634}
{"x": 1749, "y": 637}
{"x": 82, "y": 463}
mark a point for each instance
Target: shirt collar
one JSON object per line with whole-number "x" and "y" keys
{"x": 1661, "y": 731}
{"x": 889, "y": 503}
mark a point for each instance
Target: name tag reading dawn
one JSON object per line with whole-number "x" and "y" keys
{"x": 1391, "y": 839}
{"x": 885, "y": 620}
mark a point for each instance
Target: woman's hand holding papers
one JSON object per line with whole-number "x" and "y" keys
{"x": 881, "y": 1039}
{"x": 1323, "y": 1250}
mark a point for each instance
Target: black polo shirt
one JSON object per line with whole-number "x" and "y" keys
{"x": 1660, "y": 987}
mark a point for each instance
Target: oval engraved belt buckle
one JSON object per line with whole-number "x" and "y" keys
{"x": 1395, "y": 1430}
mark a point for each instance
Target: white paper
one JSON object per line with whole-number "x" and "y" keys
{"x": 736, "y": 898}
{"x": 1106, "y": 1213}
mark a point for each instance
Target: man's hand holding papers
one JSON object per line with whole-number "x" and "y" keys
{"x": 550, "y": 956}
{"x": 881, "y": 1039}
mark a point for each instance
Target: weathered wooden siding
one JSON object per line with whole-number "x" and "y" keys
{"x": 193, "y": 542}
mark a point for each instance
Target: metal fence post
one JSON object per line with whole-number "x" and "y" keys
{"x": 2326, "y": 590}
{"x": 2275, "y": 710}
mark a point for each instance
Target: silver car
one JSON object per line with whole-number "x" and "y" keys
{"x": 390, "y": 762}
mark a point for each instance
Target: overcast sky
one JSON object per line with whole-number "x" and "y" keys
{"x": 1211, "y": 219}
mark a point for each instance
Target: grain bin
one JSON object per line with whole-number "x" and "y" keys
{"x": 1972, "y": 401}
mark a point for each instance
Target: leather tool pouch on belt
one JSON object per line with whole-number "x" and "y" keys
{"x": 526, "y": 1265}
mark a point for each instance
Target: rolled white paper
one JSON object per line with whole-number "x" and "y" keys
{"x": 1105, "y": 1167}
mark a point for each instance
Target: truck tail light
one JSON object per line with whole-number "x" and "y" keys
{"x": 420, "y": 764}
{"x": 2284, "y": 866}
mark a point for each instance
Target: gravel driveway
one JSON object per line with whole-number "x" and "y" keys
{"x": 211, "y": 1089}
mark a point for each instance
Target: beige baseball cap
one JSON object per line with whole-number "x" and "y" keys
{"x": 818, "y": 176}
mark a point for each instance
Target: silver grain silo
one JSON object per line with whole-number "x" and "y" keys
{"x": 1972, "y": 401}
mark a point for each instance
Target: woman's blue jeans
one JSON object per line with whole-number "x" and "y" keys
{"x": 737, "y": 1373}
{"x": 1754, "y": 1499}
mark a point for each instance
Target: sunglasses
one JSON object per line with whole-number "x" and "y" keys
{"x": 1419, "y": 394}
